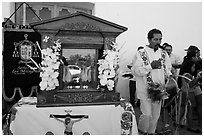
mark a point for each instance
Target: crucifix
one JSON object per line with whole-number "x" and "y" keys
{"x": 68, "y": 120}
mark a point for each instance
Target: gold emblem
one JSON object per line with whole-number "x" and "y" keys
{"x": 24, "y": 50}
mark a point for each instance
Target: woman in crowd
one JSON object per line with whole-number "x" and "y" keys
{"x": 191, "y": 88}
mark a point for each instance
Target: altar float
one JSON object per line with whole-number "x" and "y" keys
{"x": 82, "y": 65}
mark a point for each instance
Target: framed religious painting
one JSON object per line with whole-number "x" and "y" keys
{"x": 80, "y": 71}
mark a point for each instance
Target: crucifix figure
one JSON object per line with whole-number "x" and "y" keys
{"x": 68, "y": 121}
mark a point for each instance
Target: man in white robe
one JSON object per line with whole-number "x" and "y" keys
{"x": 149, "y": 62}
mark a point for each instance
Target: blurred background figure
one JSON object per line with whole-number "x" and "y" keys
{"x": 175, "y": 60}
{"x": 132, "y": 83}
{"x": 193, "y": 53}
{"x": 192, "y": 68}
{"x": 132, "y": 88}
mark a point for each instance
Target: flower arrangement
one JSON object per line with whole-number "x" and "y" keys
{"x": 50, "y": 64}
{"x": 108, "y": 67}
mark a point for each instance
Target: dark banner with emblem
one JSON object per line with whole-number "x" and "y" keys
{"x": 19, "y": 79}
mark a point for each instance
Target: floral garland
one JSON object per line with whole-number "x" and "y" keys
{"x": 49, "y": 68}
{"x": 108, "y": 67}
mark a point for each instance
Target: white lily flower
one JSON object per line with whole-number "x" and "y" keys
{"x": 56, "y": 65}
{"x": 103, "y": 81}
{"x": 43, "y": 85}
{"x": 50, "y": 65}
{"x": 55, "y": 75}
{"x": 110, "y": 84}
{"x": 108, "y": 67}
{"x": 46, "y": 39}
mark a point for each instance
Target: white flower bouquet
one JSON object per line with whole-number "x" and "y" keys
{"x": 108, "y": 67}
{"x": 49, "y": 67}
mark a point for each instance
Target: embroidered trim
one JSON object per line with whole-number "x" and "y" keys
{"x": 163, "y": 55}
{"x": 154, "y": 92}
{"x": 144, "y": 56}
{"x": 126, "y": 121}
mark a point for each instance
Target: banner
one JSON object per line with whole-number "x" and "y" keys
{"x": 19, "y": 47}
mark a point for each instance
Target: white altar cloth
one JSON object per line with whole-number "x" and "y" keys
{"x": 102, "y": 120}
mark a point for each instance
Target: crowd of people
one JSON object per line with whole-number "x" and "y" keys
{"x": 152, "y": 67}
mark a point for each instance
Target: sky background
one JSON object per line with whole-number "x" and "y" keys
{"x": 180, "y": 22}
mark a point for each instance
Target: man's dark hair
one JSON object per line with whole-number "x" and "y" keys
{"x": 152, "y": 32}
{"x": 167, "y": 45}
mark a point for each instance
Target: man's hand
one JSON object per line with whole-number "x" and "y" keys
{"x": 156, "y": 64}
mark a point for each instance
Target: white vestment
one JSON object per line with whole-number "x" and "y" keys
{"x": 140, "y": 71}
{"x": 150, "y": 110}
